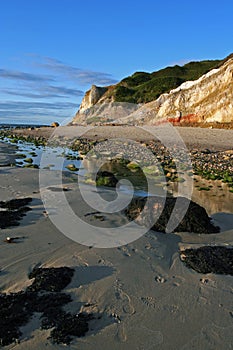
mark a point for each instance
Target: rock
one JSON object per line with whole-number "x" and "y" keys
{"x": 215, "y": 259}
{"x": 28, "y": 160}
{"x": 72, "y": 167}
{"x": 106, "y": 178}
{"x": 133, "y": 166}
{"x": 55, "y": 124}
{"x": 195, "y": 220}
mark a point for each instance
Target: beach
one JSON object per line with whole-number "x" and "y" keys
{"x": 144, "y": 295}
{"x": 192, "y": 136}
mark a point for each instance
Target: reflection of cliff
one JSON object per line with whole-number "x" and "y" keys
{"x": 217, "y": 200}
{"x": 91, "y": 165}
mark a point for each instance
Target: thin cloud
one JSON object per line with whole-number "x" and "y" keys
{"x": 34, "y": 112}
{"x": 18, "y": 75}
{"x": 80, "y": 76}
{"x": 49, "y": 92}
{"x": 45, "y": 92}
{"x": 30, "y": 95}
{"x": 61, "y": 90}
{"x": 23, "y": 105}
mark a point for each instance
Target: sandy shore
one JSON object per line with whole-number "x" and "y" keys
{"x": 192, "y": 137}
{"x": 148, "y": 298}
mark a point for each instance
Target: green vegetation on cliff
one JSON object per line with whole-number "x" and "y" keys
{"x": 144, "y": 87}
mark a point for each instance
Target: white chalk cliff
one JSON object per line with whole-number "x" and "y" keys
{"x": 207, "y": 99}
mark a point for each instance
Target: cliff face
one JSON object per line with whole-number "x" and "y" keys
{"x": 207, "y": 99}
{"x": 99, "y": 106}
{"x": 91, "y": 97}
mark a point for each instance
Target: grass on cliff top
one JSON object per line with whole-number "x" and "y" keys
{"x": 144, "y": 87}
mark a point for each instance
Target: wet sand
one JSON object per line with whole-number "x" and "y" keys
{"x": 148, "y": 298}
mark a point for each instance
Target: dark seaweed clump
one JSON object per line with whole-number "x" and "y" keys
{"x": 50, "y": 279}
{"x": 209, "y": 259}
{"x": 13, "y": 211}
{"x": 44, "y": 296}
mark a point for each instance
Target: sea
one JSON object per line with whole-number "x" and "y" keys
{"x": 5, "y": 126}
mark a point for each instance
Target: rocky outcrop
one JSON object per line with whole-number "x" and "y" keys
{"x": 97, "y": 105}
{"x": 91, "y": 97}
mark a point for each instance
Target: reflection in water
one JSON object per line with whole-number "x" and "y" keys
{"x": 218, "y": 199}
{"x": 141, "y": 183}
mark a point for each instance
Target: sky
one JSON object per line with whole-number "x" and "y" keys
{"x": 52, "y": 51}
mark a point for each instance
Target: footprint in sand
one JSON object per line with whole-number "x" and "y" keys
{"x": 125, "y": 300}
{"x": 152, "y": 338}
{"x": 160, "y": 279}
{"x": 149, "y": 301}
{"x": 125, "y": 251}
{"x": 121, "y": 335}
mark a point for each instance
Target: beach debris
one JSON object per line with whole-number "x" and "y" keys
{"x": 11, "y": 239}
{"x": 8, "y": 240}
{"x": 209, "y": 259}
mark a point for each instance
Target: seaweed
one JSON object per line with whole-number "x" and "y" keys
{"x": 207, "y": 259}
{"x": 13, "y": 211}
{"x": 43, "y": 296}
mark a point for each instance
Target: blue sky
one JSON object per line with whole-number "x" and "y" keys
{"x": 52, "y": 51}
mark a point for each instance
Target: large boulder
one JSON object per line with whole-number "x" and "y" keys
{"x": 154, "y": 212}
{"x": 54, "y": 124}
